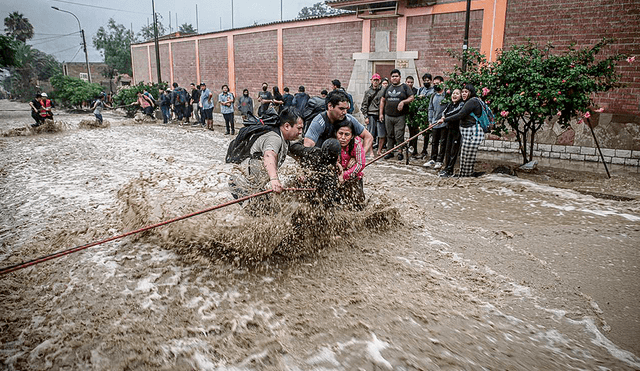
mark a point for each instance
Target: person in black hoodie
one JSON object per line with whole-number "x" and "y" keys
{"x": 470, "y": 130}
{"x": 451, "y": 146}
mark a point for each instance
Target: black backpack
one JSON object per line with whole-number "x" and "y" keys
{"x": 314, "y": 106}
{"x": 239, "y": 148}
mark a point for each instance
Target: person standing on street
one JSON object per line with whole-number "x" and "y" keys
{"x": 206, "y": 102}
{"x": 370, "y": 109}
{"x": 195, "y": 100}
{"x": 226, "y": 100}
{"x": 393, "y": 108}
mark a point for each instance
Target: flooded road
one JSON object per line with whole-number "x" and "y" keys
{"x": 493, "y": 273}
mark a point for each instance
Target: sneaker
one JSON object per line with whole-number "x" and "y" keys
{"x": 400, "y": 157}
{"x": 233, "y": 132}
{"x": 429, "y": 163}
{"x": 388, "y": 156}
{"x": 195, "y": 124}
{"x": 438, "y": 165}
{"x": 227, "y": 133}
{"x": 445, "y": 174}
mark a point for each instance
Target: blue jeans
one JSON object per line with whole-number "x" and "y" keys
{"x": 99, "y": 117}
{"x": 166, "y": 113}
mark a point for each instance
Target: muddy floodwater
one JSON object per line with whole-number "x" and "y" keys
{"x": 533, "y": 272}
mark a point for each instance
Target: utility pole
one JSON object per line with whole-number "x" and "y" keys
{"x": 231, "y": 14}
{"x": 465, "y": 44}
{"x": 197, "y": 28}
{"x": 84, "y": 42}
{"x": 155, "y": 36}
{"x": 280, "y": 10}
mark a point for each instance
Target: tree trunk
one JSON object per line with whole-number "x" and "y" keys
{"x": 533, "y": 137}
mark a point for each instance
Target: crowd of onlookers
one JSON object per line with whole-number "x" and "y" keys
{"x": 453, "y": 132}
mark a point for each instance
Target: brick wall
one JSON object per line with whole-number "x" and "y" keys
{"x": 184, "y": 63}
{"x": 584, "y": 22}
{"x": 389, "y": 24}
{"x": 140, "y": 62}
{"x": 256, "y": 61}
{"x": 214, "y": 69}
{"x": 432, "y": 35}
{"x": 315, "y": 61}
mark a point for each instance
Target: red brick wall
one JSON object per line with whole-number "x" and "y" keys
{"x": 214, "y": 70}
{"x": 389, "y": 24}
{"x": 164, "y": 63}
{"x": 432, "y": 35}
{"x": 184, "y": 62}
{"x": 256, "y": 61}
{"x": 586, "y": 22}
{"x": 313, "y": 56}
{"x": 140, "y": 63}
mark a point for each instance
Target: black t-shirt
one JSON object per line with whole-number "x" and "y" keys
{"x": 393, "y": 95}
{"x": 265, "y": 95}
{"x": 195, "y": 95}
{"x": 36, "y": 103}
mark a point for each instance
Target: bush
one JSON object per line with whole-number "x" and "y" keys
{"x": 72, "y": 91}
{"x": 126, "y": 96}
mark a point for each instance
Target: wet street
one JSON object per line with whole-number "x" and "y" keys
{"x": 489, "y": 273}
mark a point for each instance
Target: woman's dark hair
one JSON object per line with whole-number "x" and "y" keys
{"x": 276, "y": 93}
{"x": 471, "y": 88}
{"x": 289, "y": 115}
{"x": 224, "y": 86}
{"x": 247, "y": 90}
{"x": 348, "y": 124}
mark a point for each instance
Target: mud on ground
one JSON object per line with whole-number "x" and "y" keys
{"x": 534, "y": 272}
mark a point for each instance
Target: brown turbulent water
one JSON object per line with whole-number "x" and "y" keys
{"x": 494, "y": 273}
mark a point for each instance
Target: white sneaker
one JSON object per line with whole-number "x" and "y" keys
{"x": 429, "y": 163}
{"x": 438, "y": 165}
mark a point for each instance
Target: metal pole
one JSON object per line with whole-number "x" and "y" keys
{"x": 280, "y": 10}
{"x": 197, "y": 27}
{"x": 465, "y": 44}
{"x": 231, "y": 14}
{"x": 155, "y": 35}
{"x": 599, "y": 150}
{"x": 84, "y": 42}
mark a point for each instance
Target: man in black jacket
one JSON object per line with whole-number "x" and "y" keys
{"x": 195, "y": 99}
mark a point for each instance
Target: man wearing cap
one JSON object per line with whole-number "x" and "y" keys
{"x": 371, "y": 110}
{"x": 206, "y": 102}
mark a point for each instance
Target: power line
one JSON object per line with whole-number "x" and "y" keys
{"x": 99, "y": 7}
{"x": 74, "y": 56}
{"x": 64, "y": 50}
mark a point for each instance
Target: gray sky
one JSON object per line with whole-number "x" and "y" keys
{"x": 51, "y": 26}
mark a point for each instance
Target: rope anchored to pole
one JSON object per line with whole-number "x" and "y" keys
{"x": 396, "y": 147}
{"x": 58, "y": 254}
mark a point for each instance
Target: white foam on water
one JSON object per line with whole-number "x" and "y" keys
{"x": 374, "y": 347}
{"x": 324, "y": 355}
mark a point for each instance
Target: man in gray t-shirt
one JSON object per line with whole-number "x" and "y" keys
{"x": 269, "y": 152}
{"x": 322, "y": 126}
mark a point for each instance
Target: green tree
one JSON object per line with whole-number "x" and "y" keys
{"x": 529, "y": 85}
{"x": 30, "y": 65}
{"x": 187, "y": 28}
{"x": 318, "y": 9}
{"x": 114, "y": 44}
{"x": 8, "y": 49}
{"x": 18, "y": 27}
{"x": 147, "y": 32}
{"x": 73, "y": 91}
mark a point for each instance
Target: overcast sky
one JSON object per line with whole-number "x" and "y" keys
{"x": 52, "y": 28}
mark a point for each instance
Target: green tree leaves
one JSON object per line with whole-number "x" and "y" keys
{"x": 114, "y": 44}
{"x": 18, "y": 27}
{"x": 528, "y": 85}
{"x": 73, "y": 90}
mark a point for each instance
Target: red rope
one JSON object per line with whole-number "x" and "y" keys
{"x": 58, "y": 254}
{"x": 396, "y": 147}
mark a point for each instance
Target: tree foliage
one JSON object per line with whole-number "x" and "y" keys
{"x": 73, "y": 91}
{"x": 8, "y": 50}
{"x": 187, "y": 28}
{"x": 30, "y": 65}
{"x": 147, "y": 32}
{"x": 18, "y": 27}
{"x": 418, "y": 113}
{"x": 318, "y": 9}
{"x": 114, "y": 44}
{"x": 528, "y": 85}
{"x": 129, "y": 95}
